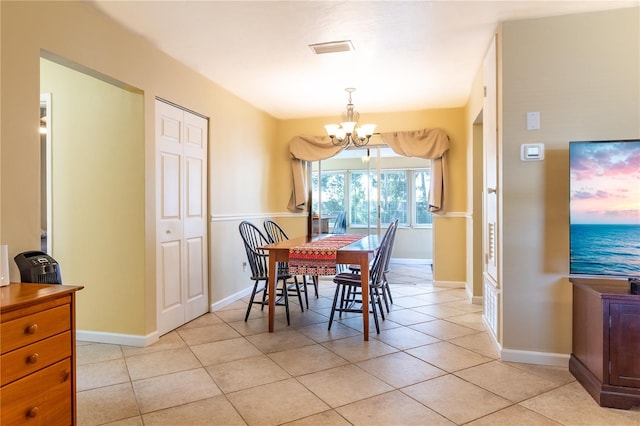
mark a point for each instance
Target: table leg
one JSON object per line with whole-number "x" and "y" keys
{"x": 272, "y": 289}
{"x": 364, "y": 280}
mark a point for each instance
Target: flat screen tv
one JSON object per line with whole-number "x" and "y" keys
{"x": 605, "y": 208}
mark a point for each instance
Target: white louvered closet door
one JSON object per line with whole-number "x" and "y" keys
{"x": 181, "y": 221}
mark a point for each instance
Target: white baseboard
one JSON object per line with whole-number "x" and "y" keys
{"x": 116, "y": 338}
{"x": 230, "y": 299}
{"x": 529, "y": 357}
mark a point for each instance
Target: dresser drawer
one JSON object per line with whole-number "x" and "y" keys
{"x": 37, "y": 326}
{"x": 42, "y": 398}
{"x": 26, "y": 360}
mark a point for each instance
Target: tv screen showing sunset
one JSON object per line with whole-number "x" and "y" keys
{"x": 605, "y": 208}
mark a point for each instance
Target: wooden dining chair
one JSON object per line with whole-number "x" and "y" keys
{"x": 258, "y": 260}
{"x": 275, "y": 234}
{"x": 385, "y": 289}
{"x": 348, "y": 284}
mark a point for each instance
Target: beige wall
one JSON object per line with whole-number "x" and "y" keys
{"x": 582, "y": 73}
{"x": 239, "y": 182}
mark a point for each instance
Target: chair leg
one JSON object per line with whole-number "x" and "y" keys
{"x": 314, "y": 278}
{"x": 305, "y": 289}
{"x": 386, "y": 286}
{"x": 378, "y": 299}
{"x": 333, "y": 307}
{"x": 375, "y": 314}
{"x": 253, "y": 295}
{"x": 285, "y": 295}
{"x": 297, "y": 287}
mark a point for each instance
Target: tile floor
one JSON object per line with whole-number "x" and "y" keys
{"x": 432, "y": 364}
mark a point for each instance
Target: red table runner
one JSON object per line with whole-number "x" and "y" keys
{"x": 319, "y": 257}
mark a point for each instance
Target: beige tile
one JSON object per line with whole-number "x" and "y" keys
{"x": 343, "y": 385}
{"x": 97, "y": 352}
{"x": 405, "y": 338}
{"x": 439, "y": 311}
{"x": 206, "y": 334}
{"x": 202, "y": 321}
{"x": 246, "y": 373}
{"x": 409, "y": 301}
{"x": 508, "y": 382}
{"x": 448, "y": 357}
{"x": 170, "y": 340}
{"x": 408, "y": 317}
{"x": 443, "y": 329}
{"x": 307, "y": 359}
{"x": 251, "y": 326}
{"x": 99, "y": 374}
{"x": 455, "y": 399}
{"x": 514, "y": 415}
{"x": 280, "y": 340}
{"x": 224, "y": 351}
{"x": 276, "y": 403}
{"x": 300, "y": 319}
{"x": 558, "y": 375}
{"x": 326, "y": 418}
{"x": 478, "y": 342}
{"x": 206, "y": 412}
{"x": 131, "y": 421}
{"x": 471, "y": 320}
{"x": 442, "y": 297}
{"x": 355, "y": 349}
{"x": 106, "y": 404}
{"x": 159, "y": 363}
{"x": 393, "y": 408}
{"x": 572, "y": 405}
{"x": 399, "y": 369}
{"x": 320, "y": 332}
{"x": 233, "y": 315}
{"x": 238, "y": 304}
{"x": 174, "y": 389}
{"x": 463, "y": 305}
{"x": 354, "y": 320}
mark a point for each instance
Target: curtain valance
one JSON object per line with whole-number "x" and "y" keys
{"x": 430, "y": 144}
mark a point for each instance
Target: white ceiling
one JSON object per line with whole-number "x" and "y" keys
{"x": 408, "y": 54}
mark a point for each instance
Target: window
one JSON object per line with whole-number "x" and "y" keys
{"x": 333, "y": 198}
{"x": 421, "y": 183}
{"x": 403, "y": 196}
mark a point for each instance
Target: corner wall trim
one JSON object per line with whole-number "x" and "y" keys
{"x": 529, "y": 357}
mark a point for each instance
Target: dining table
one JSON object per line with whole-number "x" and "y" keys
{"x": 358, "y": 252}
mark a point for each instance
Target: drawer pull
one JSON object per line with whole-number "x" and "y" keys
{"x": 33, "y": 358}
{"x": 31, "y": 329}
{"x": 33, "y": 412}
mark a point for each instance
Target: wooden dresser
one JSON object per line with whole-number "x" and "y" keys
{"x": 606, "y": 341}
{"x": 38, "y": 354}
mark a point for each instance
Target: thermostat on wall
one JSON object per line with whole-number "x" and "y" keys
{"x": 532, "y": 151}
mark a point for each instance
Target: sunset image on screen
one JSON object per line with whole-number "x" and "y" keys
{"x": 605, "y": 208}
{"x": 605, "y": 183}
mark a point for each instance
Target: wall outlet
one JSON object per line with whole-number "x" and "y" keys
{"x": 244, "y": 266}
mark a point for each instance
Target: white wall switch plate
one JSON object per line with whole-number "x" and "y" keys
{"x": 533, "y": 120}
{"x": 532, "y": 152}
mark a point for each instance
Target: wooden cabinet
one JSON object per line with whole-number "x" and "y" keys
{"x": 606, "y": 341}
{"x": 37, "y": 354}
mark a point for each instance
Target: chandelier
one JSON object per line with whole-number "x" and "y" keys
{"x": 346, "y": 133}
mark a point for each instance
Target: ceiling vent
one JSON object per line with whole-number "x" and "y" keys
{"x": 332, "y": 47}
